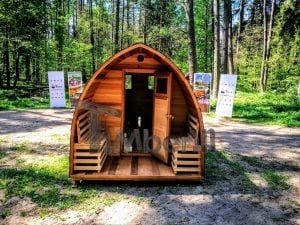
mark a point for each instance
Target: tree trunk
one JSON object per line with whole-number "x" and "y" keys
{"x": 59, "y": 33}
{"x": 122, "y": 25}
{"x": 83, "y": 72}
{"x": 117, "y": 21}
{"x": 227, "y": 4}
{"x": 240, "y": 28}
{"x": 162, "y": 5}
{"x": 191, "y": 40}
{"x": 145, "y": 28}
{"x": 6, "y": 63}
{"x": 266, "y": 46}
{"x": 80, "y": 5}
{"x": 230, "y": 45}
{"x": 92, "y": 39}
{"x": 216, "y": 63}
{"x": 27, "y": 67}
{"x": 37, "y": 70}
{"x": 128, "y": 21}
{"x": 17, "y": 65}
{"x": 206, "y": 36}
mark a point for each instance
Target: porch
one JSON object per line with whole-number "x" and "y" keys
{"x": 135, "y": 168}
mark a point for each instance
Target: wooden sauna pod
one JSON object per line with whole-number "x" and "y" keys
{"x": 138, "y": 92}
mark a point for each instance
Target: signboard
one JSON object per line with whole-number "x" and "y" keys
{"x": 57, "y": 89}
{"x": 75, "y": 87}
{"x": 202, "y": 86}
{"x": 226, "y": 95}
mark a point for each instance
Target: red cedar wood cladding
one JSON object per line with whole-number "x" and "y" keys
{"x": 105, "y": 87}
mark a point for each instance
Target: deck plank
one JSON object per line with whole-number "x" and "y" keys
{"x": 155, "y": 168}
{"x": 136, "y": 168}
{"x": 105, "y": 167}
{"x": 145, "y": 166}
{"x": 165, "y": 170}
{"x": 134, "y": 165}
{"x": 113, "y": 166}
{"x": 124, "y": 167}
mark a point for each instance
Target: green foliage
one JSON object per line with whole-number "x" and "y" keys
{"x": 221, "y": 165}
{"x": 203, "y": 29}
{"x": 284, "y": 59}
{"x": 285, "y": 54}
{"x": 269, "y": 108}
{"x": 46, "y": 183}
{"x": 16, "y": 99}
{"x": 275, "y": 180}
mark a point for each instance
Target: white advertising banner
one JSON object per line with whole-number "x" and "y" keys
{"x": 57, "y": 89}
{"x": 226, "y": 95}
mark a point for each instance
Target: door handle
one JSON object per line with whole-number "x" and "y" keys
{"x": 169, "y": 116}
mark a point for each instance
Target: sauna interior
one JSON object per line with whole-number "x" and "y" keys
{"x": 137, "y": 119}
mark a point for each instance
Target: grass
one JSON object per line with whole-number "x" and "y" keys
{"x": 221, "y": 165}
{"x": 46, "y": 183}
{"x": 18, "y": 99}
{"x": 253, "y": 161}
{"x": 275, "y": 180}
{"x": 23, "y": 147}
{"x": 270, "y": 108}
{"x": 21, "y": 99}
{"x": 60, "y": 138}
{"x": 2, "y": 154}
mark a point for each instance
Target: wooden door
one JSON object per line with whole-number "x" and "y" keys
{"x": 161, "y": 114}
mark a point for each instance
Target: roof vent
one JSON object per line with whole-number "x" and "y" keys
{"x": 140, "y": 58}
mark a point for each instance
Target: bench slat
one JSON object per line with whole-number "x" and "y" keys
{"x": 80, "y": 117}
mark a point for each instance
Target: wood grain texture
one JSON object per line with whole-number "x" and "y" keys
{"x": 106, "y": 87}
{"x": 137, "y": 168}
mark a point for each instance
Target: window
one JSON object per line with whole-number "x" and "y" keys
{"x": 161, "y": 85}
{"x": 150, "y": 82}
{"x": 128, "y": 83}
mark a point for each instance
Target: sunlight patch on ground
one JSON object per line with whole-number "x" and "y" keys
{"x": 124, "y": 211}
{"x": 258, "y": 180}
{"x": 201, "y": 199}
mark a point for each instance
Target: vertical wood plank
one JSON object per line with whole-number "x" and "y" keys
{"x": 113, "y": 166}
{"x": 134, "y": 165}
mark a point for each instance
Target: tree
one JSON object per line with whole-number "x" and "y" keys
{"x": 230, "y": 45}
{"x": 226, "y": 21}
{"x": 189, "y": 8}
{"x": 216, "y": 61}
{"x": 92, "y": 38}
{"x": 117, "y": 27}
{"x": 266, "y": 46}
{"x": 240, "y": 27}
{"x": 59, "y": 32}
{"x": 6, "y": 60}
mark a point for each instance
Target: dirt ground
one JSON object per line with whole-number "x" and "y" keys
{"x": 215, "y": 201}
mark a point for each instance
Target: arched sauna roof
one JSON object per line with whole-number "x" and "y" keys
{"x": 164, "y": 60}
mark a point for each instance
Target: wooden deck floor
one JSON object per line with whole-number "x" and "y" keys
{"x": 135, "y": 168}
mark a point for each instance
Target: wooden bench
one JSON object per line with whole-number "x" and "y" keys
{"x": 186, "y": 149}
{"x": 89, "y": 156}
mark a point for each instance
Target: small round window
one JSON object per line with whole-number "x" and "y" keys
{"x": 140, "y": 58}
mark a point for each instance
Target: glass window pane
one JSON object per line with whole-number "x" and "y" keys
{"x": 128, "y": 83}
{"x": 161, "y": 85}
{"x": 150, "y": 82}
